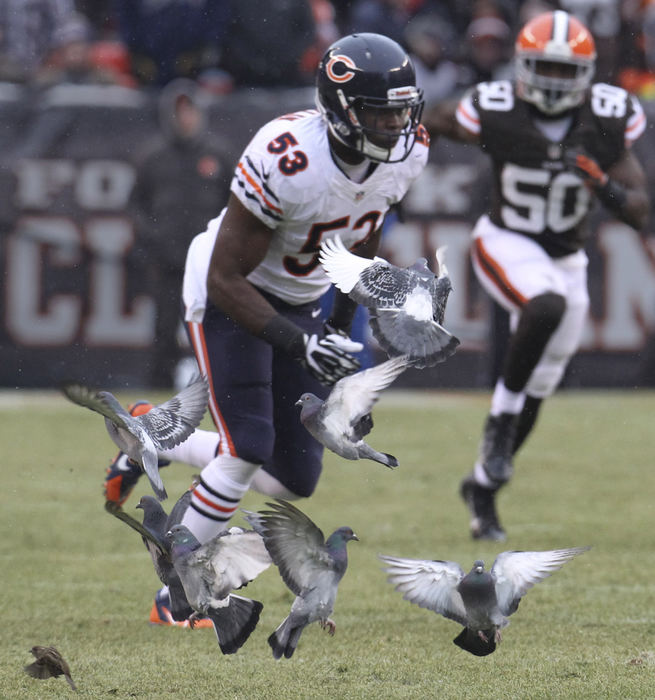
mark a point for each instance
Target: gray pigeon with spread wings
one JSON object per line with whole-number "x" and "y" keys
{"x": 480, "y": 600}
{"x": 344, "y": 418}
{"x": 210, "y": 571}
{"x": 161, "y": 428}
{"x": 310, "y": 565}
{"x": 406, "y": 305}
{"x": 156, "y": 524}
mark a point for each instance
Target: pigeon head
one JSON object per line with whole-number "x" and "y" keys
{"x": 182, "y": 540}
{"x": 341, "y": 536}
{"x": 307, "y": 399}
{"x": 147, "y": 502}
{"x": 309, "y": 406}
{"x": 478, "y": 567}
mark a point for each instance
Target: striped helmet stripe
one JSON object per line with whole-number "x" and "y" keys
{"x": 560, "y": 27}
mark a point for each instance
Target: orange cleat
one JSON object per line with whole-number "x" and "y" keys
{"x": 160, "y": 614}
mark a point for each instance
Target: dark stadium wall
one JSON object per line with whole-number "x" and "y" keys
{"x": 75, "y": 301}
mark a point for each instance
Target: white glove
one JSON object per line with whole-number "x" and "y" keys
{"x": 329, "y": 359}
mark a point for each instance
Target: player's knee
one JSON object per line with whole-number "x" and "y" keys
{"x": 546, "y": 309}
{"x": 546, "y": 377}
{"x": 254, "y": 442}
{"x": 299, "y": 474}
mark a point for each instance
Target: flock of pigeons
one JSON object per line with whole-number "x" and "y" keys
{"x": 407, "y": 307}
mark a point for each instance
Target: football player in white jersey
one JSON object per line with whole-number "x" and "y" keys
{"x": 556, "y": 141}
{"x": 253, "y": 281}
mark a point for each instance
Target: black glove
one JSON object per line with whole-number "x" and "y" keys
{"x": 329, "y": 358}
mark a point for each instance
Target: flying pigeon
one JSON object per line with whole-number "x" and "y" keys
{"x": 161, "y": 428}
{"x": 210, "y": 571}
{"x": 480, "y": 600}
{"x": 344, "y": 418}
{"x": 406, "y": 305}
{"x": 311, "y": 567}
{"x": 49, "y": 662}
{"x": 153, "y": 530}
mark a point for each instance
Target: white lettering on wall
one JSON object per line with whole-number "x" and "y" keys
{"x": 112, "y": 321}
{"x": 34, "y": 321}
{"x": 31, "y": 319}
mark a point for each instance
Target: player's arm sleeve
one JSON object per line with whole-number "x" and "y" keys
{"x": 636, "y": 122}
{"x": 467, "y": 115}
{"x": 443, "y": 119}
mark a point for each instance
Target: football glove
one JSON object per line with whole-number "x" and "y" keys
{"x": 583, "y": 165}
{"x": 329, "y": 358}
{"x": 611, "y": 193}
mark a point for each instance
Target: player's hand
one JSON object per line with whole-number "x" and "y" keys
{"x": 583, "y": 165}
{"x": 329, "y": 329}
{"x": 329, "y": 359}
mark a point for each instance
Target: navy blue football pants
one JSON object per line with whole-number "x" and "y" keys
{"x": 254, "y": 389}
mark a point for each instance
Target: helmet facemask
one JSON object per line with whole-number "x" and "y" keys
{"x": 553, "y": 85}
{"x": 362, "y": 124}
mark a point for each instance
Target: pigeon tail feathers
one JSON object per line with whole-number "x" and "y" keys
{"x": 284, "y": 640}
{"x": 366, "y": 451}
{"x": 235, "y": 622}
{"x": 399, "y": 334}
{"x": 470, "y": 641}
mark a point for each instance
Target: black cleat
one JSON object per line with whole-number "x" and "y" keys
{"x": 497, "y": 447}
{"x": 481, "y": 503}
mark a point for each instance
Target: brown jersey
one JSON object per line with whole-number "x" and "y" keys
{"x": 535, "y": 194}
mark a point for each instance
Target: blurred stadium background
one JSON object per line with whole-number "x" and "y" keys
{"x": 76, "y": 300}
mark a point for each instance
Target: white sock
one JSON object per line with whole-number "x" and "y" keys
{"x": 223, "y": 482}
{"x": 197, "y": 450}
{"x": 506, "y": 401}
{"x": 481, "y": 478}
{"x": 264, "y": 483}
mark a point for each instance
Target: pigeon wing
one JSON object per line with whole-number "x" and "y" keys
{"x": 353, "y": 397}
{"x": 101, "y": 402}
{"x": 428, "y": 584}
{"x": 440, "y": 290}
{"x": 234, "y": 558}
{"x": 516, "y": 572}
{"x": 382, "y": 286}
{"x": 113, "y": 508}
{"x": 295, "y": 543}
{"x": 342, "y": 267}
{"x": 178, "y": 510}
{"x": 172, "y": 422}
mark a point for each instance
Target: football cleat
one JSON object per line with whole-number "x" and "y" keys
{"x": 122, "y": 474}
{"x": 481, "y": 503}
{"x": 160, "y": 614}
{"x": 497, "y": 447}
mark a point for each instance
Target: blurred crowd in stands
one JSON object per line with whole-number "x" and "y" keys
{"x": 230, "y": 44}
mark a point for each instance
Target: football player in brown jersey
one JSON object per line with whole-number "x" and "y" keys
{"x": 557, "y": 141}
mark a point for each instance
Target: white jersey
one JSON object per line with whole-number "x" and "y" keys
{"x": 287, "y": 178}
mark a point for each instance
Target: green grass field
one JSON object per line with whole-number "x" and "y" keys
{"x": 74, "y": 577}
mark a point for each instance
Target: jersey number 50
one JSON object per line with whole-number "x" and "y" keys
{"x": 557, "y": 201}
